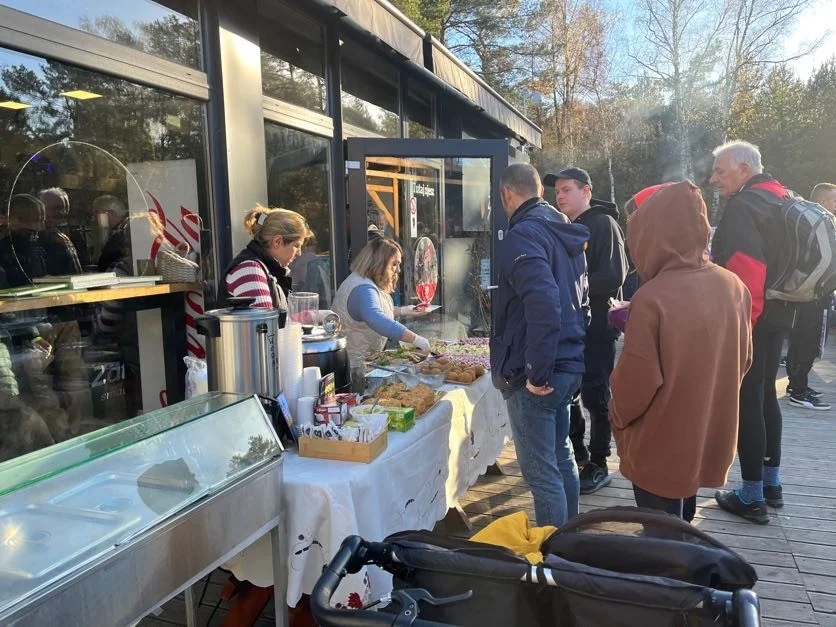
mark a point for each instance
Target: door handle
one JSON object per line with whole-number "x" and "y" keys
{"x": 491, "y": 287}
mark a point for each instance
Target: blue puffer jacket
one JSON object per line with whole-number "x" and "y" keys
{"x": 541, "y": 305}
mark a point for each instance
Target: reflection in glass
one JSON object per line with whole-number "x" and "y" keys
{"x": 73, "y": 172}
{"x": 370, "y": 92}
{"x": 292, "y": 60}
{"x": 419, "y": 115}
{"x": 297, "y": 179}
{"x": 141, "y": 24}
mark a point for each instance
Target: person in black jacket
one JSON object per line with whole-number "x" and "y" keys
{"x": 21, "y": 254}
{"x": 607, "y": 264}
{"x": 750, "y": 241}
{"x": 810, "y": 329}
{"x": 61, "y": 254}
{"x": 537, "y": 341}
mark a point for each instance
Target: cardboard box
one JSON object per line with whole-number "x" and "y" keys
{"x": 400, "y": 418}
{"x": 348, "y": 398}
{"x": 344, "y": 451}
{"x": 334, "y": 414}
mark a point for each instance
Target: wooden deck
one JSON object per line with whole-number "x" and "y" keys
{"x": 795, "y": 555}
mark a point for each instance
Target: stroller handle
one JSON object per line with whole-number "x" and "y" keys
{"x": 354, "y": 553}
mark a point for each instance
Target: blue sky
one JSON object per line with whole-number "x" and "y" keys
{"x": 817, "y": 21}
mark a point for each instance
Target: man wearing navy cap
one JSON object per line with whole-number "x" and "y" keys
{"x": 607, "y": 266}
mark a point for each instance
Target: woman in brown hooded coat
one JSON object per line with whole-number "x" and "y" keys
{"x": 675, "y": 390}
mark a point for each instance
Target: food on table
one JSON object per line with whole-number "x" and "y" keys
{"x": 421, "y": 397}
{"x": 470, "y": 352}
{"x": 453, "y": 368}
{"x": 398, "y": 356}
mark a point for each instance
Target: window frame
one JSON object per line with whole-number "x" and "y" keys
{"x": 37, "y": 36}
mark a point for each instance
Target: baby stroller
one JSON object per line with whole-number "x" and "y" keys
{"x": 614, "y": 567}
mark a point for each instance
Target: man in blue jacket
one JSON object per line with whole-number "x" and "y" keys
{"x": 537, "y": 347}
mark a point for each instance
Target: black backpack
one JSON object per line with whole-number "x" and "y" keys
{"x": 807, "y": 268}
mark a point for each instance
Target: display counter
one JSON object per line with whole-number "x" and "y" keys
{"x": 64, "y": 298}
{"x": 411, "y": 485}
{"x": 103, "y": 528}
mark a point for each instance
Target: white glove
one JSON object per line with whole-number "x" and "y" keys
{"x": 421, "y": 343}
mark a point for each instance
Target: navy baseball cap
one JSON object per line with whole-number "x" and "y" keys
{"x": 582, "y": 176}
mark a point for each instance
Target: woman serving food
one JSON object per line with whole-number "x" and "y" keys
{"x": 364, "y": 302}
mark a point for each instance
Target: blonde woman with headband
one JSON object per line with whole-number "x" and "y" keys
{"x": 261, "y": 270}
{"x": 364, "y": 302}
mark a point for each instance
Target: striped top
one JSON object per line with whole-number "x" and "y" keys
{"x": 248, "y": 280}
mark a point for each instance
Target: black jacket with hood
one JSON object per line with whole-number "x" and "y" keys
{"x": 606, "y": 261}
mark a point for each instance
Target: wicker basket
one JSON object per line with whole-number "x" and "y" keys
{"x": 175, "y": 268}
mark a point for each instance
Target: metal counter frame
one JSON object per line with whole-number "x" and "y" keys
{"x": 126, "y": 584}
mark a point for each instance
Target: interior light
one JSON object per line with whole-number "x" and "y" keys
{"x": 80, "y": 94}
{"x": 11, "y": 104}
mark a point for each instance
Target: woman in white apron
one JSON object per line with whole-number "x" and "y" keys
{"x": 364, "y": 302}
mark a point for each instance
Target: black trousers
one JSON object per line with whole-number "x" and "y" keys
{"x": 759, "y": 439}
{"x": 685, "y": 509}
{"x": 599, "y": 358}
{"x": 805, "y": 341}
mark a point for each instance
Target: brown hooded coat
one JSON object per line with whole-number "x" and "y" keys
{"x": 675, "y": 390}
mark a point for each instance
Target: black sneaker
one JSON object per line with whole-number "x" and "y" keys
{"x": 753, "y": 512}
{"x": 581, "y": 459}
{"x": 808, "y": 401}
{"x": 813, "y": 392}
{"x": 774, "y": 495}
{"x": 594, "y": 477}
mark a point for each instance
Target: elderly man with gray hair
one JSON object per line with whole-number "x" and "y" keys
{"x": 749, "y": 242}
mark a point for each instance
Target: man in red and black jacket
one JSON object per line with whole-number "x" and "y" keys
{"x": 749, "y": 241}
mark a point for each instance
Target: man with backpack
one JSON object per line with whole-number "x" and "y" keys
{"x": 749, "y": 242}
{"x": 810, "y": 329}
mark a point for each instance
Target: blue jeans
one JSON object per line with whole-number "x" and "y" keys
{"x": 540, "y": 425}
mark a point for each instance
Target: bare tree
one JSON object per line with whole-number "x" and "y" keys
{"x": 755, "y": 38}
{"x": 682, "y": 40}
{"x": 567, "y": 50}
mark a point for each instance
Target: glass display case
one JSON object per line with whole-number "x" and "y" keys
{"x": 70, "y": 504}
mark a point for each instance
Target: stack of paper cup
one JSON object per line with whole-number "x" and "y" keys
{"x": 305, "y": 410}
{"x": 310, "y": 381}
{"x": 290, "y": 363}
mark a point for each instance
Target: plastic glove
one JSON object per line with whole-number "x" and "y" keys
{"x": 421, "y": 343}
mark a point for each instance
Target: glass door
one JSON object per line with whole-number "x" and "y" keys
{"x": 439, "y": 199}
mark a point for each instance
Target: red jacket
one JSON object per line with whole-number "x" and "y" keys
{"x": 749, "y": 239}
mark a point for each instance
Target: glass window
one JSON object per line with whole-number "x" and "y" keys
{"x": 297, "y": 179}
{"x": 439, "y": 210}
{"x": 419, "y": 114}
{"x": 292, "y": 61}
{"x": 369, "y": 91}
{"x": 169, "y": 29}
{"x": 96, "y": 174}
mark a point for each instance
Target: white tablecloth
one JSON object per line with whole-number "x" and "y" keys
{"x": 422, "y": 473}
